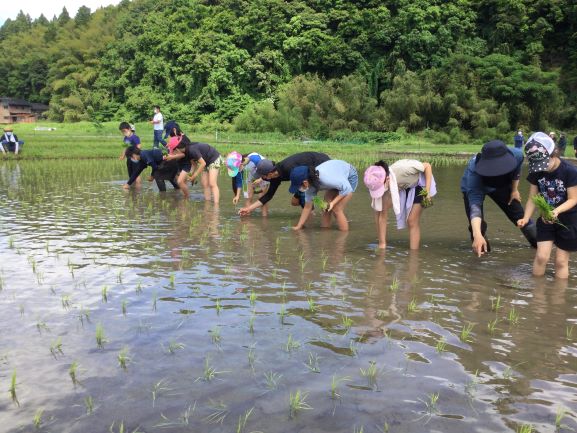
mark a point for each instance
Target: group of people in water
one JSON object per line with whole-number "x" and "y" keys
{"x": 406, "y": 186}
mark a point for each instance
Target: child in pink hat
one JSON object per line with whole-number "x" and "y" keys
{"x": 399, "y": 186}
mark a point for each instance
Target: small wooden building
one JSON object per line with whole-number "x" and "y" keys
{"x": 13, "y": 110}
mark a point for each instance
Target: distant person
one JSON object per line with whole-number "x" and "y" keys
{"x": 10, "y": 142}
{"x": 242, "y": 170}
{"x": 553, "y": 137}
{"x": 562, "y": 145}
{"x": 153, "y": 159}
{"x": 275, "y": 173}
{"x": 556, "y": 181}
{"x": 131, "y": 141}
{"x": 575, "y": 145}
{"x": 207, "y": 162}
{"x": 494, "y": 172}
{"x": 337, "y": 178}
{"x": 518, "y": 139}
{"x": 158, "y": 125}
{"x": 407, "y": 186}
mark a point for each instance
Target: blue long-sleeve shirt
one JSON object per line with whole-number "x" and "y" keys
{"x": 148, "y": 158}
{"x": 473, "y": 187}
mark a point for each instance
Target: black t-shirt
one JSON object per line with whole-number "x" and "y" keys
{"x": 553, "y": 186}
{"x": 195, "y": 151}
{"x": 286, "y": 165}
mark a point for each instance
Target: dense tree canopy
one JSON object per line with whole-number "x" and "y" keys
{"x": 304, "y": 66}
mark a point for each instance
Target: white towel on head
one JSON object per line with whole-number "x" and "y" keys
{"x": 377, "y": 203}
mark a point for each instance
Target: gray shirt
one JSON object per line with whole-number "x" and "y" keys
{"x": 333, "y": 174}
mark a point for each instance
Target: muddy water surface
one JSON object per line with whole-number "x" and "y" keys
{"x": 215, "y": 318}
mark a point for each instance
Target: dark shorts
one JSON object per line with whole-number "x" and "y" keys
{"x": 562, "y": 237}
{"x": 418, "y": 197}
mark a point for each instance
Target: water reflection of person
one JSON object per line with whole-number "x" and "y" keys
{"x": 494, "y": 172}
{"x": 334, "y": 245}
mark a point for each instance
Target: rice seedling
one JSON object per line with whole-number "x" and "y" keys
{"x": 312, "y": 306}
{"x": 42, "y": 326}
{"x": 426, "y": 201}
{"x": 492, "y": 325}
{"x": 154, "y": 300}
{"x": 89, "y": 405}
{"x": 272, "y": 379}
{"x": 324, "y": 260}
{"x": 183, "y": 419}
{"x": 158, "y": 389}
{"x": 471, "y": 386}
{"x": 465, "y": 335}
{"x": 361, "y": 429}
{"x": 123, "y": 307}
{"x": 431, "y": 403}
{"x": 251, "y": 320}
{"x": 559, "y": 417}
{"x": 545, "y": 209}
{"x": 173, "y": 346}
{"x": 12, "y": 389}
{"x": 1, "y": 283}
{"x": 347, "y": 323}
{"x": 525, "y": 428}
{"x": 37, "y": 421}
{"x": 496, "y": 303}
{"x": 569, "y": 332}
{"x": 251, "y": 356}
{"x": 386, "y": 428}
{"x": 371, "y": 373}
{"x": 252, "y": 297}
{"x": 100, "y": 337}
{"x": 21, "y": 309}
{"x": 218, "y": 414}
{"x": 282, "y": 313}
{"x": 138, "y": 288}
{"x": 302, "y": 261}
{"x": 441, "y": 345}
{"x": 73, "y": 373}
{"x": 56, "y": 347}
{"x": 335, "y": 382}
{"x": 412, "y": 307}
{"x": 65, "y": 301}
{"x": 297, "y": 402}
{"x": 172, "y": 280}
{"x": 513, "y": 316}
{"x": 291, "y": 344}
{"x": 119, "y": 276}
{"x": 354, "y": 348}
{"x": 218, "y": 306}
{"x": 242, "y": 420}
{"x": 312, "y": 362}
{"x": 104, "y": 294}
{"x": 209, "y": 373}
{"x": 215, "y": 335}
{"x": 123, "y": 358}
{"x": 11, "y": 242}
{"x": 320, "y": 203}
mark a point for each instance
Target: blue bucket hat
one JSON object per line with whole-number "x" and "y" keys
{"x": 298, "y": 176}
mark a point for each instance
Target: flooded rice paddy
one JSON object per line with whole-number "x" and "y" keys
{"x": 135, "y": 311}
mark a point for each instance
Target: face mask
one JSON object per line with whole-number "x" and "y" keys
{"x": 303, "y": 189}
{"x": 134, "y": 160}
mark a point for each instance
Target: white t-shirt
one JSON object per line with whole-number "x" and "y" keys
{"x": 160, "y": 119}
{"x": 407, "y": 172}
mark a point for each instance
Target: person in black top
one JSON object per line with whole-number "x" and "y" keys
{"x": 206, "y": 160}
{"x": 575, "y": 145}
{"x": 279, "y": 172}
{"x": 161, "y": 170}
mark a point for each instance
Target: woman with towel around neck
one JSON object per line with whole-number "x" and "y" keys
{"x": 406, "y": 186}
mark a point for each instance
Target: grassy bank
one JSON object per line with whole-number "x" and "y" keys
{"x": 87, "y": 140}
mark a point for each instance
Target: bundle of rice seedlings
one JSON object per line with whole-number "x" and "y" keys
{"x": 426, "y": 201}
{"x": 320, "y": 203}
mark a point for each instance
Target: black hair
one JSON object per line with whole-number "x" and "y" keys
{"x": 124, "y": 125}
{"x": 136, "y": 151}
{"x": 383, "y": 164}
{"x": 157, "y": 107}
{"x": 175, "y": 131}
{"x": 313, "y": 177}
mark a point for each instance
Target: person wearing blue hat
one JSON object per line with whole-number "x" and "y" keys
{"x": 338, "y": 178}
{"x": 494, "y": 172}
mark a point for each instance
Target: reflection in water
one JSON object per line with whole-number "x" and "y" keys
{"x": 218, "y": 311}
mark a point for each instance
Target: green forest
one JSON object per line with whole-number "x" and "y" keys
{"x": 322, "y": 68}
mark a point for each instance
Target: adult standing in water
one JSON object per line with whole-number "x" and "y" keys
{"x": 494, "y": 172}
{"x": 338, "y": 178}
{"x": 158, "y": 125}
{"x": 280, "y": 172}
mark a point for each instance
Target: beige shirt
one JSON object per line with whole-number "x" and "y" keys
{"x": 407, "y": 172}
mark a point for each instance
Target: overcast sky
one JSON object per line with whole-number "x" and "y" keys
{"x": 34, "y": 8}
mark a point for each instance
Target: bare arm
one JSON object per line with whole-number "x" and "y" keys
{"x": 200, "y": 164}
{"x": 515, "y": 195}
{"x": 305, "y": 213}
{"x": 529, "y": 207}
{"x": 569, "y": 204}
{"x": 428, "y": 176}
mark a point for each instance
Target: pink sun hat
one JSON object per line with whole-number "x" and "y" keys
{"x": 233, "y": 162}
{"x": 173, "y": 143}
{"x": 374, "y": 179}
